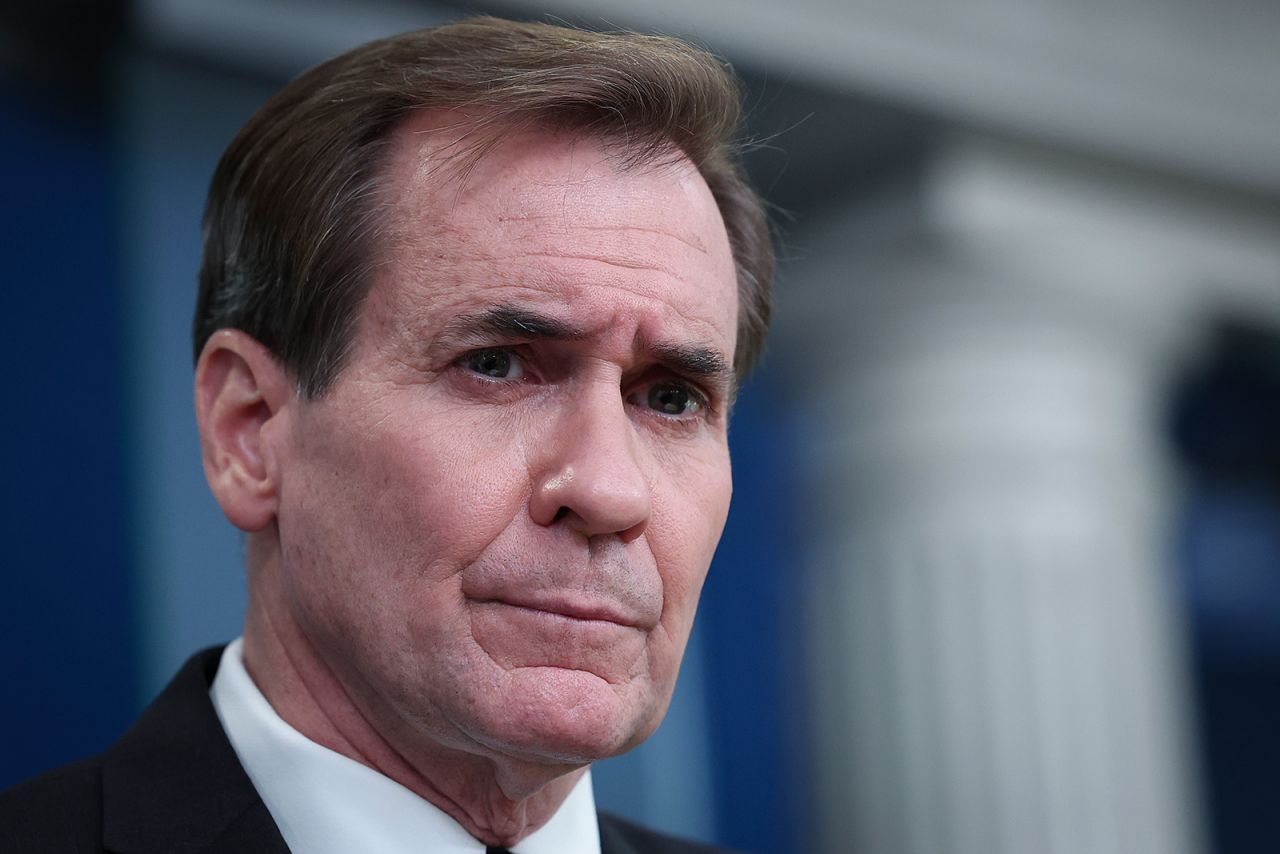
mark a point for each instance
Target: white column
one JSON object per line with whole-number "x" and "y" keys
{"x": 996, "y": 646}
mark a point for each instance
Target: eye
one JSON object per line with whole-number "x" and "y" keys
{"x": 494, "y": 362}
{"x": 673, "y": 399}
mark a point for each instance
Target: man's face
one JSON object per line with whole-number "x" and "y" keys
{"x": 496, "y": 522}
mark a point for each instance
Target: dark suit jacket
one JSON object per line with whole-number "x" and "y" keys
{"x": 172, "y": 785}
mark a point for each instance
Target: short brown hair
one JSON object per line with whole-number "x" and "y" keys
{"x": 290, "y": 226}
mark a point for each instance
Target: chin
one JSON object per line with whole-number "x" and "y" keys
{"x": 572, "y": 717}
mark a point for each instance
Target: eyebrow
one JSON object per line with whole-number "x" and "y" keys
{"x": 695, "y": 362}
{"x": 509, "y": 321}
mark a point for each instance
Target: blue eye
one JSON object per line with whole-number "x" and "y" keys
{"x": 672, "y": 399}
{"x": 495, "y": 362}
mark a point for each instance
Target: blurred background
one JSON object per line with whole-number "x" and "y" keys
{"x": 1002, "y": 574}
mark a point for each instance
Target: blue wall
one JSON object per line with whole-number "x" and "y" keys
{"x": 67, "y": 609}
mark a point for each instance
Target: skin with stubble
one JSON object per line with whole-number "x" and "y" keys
{"x": 475, "y": 559}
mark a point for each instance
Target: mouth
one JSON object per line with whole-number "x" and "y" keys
{"x": 577, "y": 611}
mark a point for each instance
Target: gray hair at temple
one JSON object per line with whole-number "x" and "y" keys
{"x": 292, "y": 224}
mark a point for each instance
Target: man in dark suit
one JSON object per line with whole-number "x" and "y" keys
{"x": 474, "y": 305}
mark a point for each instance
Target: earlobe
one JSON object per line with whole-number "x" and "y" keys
{"x": 240, "y": 388}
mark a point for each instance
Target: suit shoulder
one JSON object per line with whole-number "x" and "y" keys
{"x": 619, "y": 836}
{"x": 58, "y": 811}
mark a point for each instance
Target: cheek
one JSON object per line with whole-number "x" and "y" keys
{"x": 688, "y": 520}
{"x": 458, "y": 492}
{"x": 385, "y": 503}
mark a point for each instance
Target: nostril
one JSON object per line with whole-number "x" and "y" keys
{"x": 561, "y": 513}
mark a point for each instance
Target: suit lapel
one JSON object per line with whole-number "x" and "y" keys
{"x": 612, "y": 840}
{"x": 173, "y": 782}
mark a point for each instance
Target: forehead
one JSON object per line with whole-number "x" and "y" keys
{"x": 554, "y": 216}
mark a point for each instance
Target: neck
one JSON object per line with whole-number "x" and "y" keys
{"x": 498, "y": 799}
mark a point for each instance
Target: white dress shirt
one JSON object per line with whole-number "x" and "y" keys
{"x": 326, "y": 803}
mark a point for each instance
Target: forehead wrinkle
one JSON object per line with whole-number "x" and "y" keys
{"x": 612, "y": 261}
{"x": 640, "y": 261}
{"x": 693, "y": 242}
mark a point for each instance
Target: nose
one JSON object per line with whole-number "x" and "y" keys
{"x": 591, "y": 472}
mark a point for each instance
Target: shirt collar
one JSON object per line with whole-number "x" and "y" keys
{"x": 326, "y": 803}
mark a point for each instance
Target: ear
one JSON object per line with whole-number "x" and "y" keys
{"x": 240, "y": 389}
